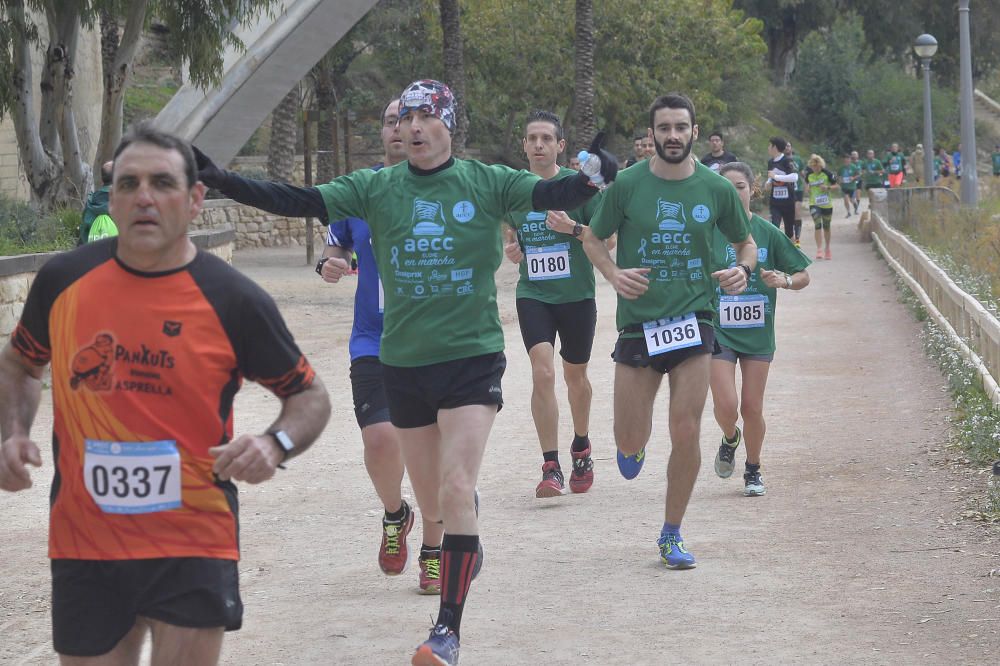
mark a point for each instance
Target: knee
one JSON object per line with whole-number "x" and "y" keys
{"x": 684, "y": 429}
{"x": 381, "y": 443}
{"x": 576, "y": 378}
{"x": 752, "y": 412}
{"x": 457, "y": 489}
{"x": 543, "y": 376}
{"x": 629, "y": 440}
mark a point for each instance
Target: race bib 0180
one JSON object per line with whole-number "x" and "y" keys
{"x": 666, "y": 335}
{"x": 548, "y": 263}
{"x": 742, "y": 311}
{"x": 133, "y": 477}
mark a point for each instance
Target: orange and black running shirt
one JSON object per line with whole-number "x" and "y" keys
{"x": 145, "y": 367}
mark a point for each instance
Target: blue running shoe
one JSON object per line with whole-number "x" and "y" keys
{"x": 440, "y": 649}
{"x": 673, "y": 553}
{"x": 630, "y": 466}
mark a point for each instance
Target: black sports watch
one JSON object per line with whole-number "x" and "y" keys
{"x": 319, "y": 265}
{"x": 577, "y": 229}
{"x": 746, "y": 269}
{"x": 284, "y": 441}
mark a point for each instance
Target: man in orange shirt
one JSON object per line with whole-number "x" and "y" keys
{"x": 149, "y": 340}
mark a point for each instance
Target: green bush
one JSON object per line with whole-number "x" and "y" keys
{"x": 24, "y": 230}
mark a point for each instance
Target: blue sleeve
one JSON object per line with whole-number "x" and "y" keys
{"x": 341, "y": 234}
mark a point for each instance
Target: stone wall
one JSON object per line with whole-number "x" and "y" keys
{"x": 17, "y": 274}
{"x": 254, "y": 228}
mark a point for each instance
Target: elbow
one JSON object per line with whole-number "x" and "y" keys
{"x": 803, "y": 279}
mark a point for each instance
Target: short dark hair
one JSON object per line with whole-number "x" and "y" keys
{"x": 779, "y": 143}
{"x": 716, "y": 133}
{"x": 107, "y": 174}
{"x": 638, "y": 137}
{"x": 543, "y": 116}
{"x": 387, "y": 105}
{"x": 146, "y": 133}
{"x": 671, "y": 101}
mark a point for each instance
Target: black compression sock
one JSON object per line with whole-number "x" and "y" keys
{"x": 396, "y": 516}
{"x": 551, "y": 456}
{"x": 581, "y": 443}
{"x": 459, "y": 553}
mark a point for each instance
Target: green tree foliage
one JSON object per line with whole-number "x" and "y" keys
{"x": 837, "y": 95}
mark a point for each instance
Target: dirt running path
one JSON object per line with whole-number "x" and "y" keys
{"x": 855, "y": 555}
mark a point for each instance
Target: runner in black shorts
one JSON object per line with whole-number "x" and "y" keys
{"x": 436, "y": 230}
{"x": 149, "y": 339}
{"x": 633, "y": 352}
{"x": 782, "y": 178}
{"x": 384, "y": 457}
{"x": 555, "y": 296}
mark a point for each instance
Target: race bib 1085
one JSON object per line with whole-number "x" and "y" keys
{"x": 742, "y": 311}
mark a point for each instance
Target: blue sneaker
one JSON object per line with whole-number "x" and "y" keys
{"x": 673, "y": 553}
{"x": 440, "y": 649}
{"x": 630, "y": 466}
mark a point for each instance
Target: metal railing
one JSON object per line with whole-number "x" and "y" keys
{"x": 973, "y": 329}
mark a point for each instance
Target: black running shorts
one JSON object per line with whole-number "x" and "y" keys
{"x": 95, "y": 603}
{"x": 368, "y": 388}
{"x": 416, "y": 394}
{"x": 633, "y": 353}
{"x": 574, "y": 322}
{"x": 784, "y": 212}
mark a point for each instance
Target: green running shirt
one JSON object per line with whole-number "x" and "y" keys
{"x": 667, "y": 226}
{"x": 774, "y": 251}
{"x": 437, "y": 242}
{"x": 555, "y": 268}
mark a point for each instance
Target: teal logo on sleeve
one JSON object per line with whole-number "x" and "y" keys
{"x": 762, "y": 254}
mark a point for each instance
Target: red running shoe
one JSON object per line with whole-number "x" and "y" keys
{"x": 430, "y": 572}
{"x": 393, "y": 555}
{"x": 552, "y": 483}
{"x": 582, "y": 476}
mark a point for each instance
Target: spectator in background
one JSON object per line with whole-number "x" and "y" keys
{"x": 647, "y": 148}
{"x": 718, "y": 155}
{"x": 97, "y": 203}
{"x": 995, "y": 158}
{"x": 956, "y": 161}
{"x": 917, "y": 163}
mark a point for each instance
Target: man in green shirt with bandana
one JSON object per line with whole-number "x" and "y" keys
{"x": 665, "y": 213}
{"x": 436, "y": 231}
{"x": 555, "y": 296}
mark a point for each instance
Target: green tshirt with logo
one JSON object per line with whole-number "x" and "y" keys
{"x": 555, "y": 269}
{"x": 667, "y": 226}
{"x": 872, "y": 172}
{"x": 437, "y": 243}
{"x": 774, "y": 252}
{"x": 819, "y": 198}
{"x": 850, "y": 174}
{"x": 895, "y": 162}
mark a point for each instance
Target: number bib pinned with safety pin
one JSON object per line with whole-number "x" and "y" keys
{"x": 742, "y": 311}
{"x": 548, "y": 263}
{"x": 133, "y": 477}
{"x": 822, "y": 199}
{"x": 667, "y": 335}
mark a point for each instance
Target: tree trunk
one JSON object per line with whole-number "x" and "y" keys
{"x": 782, "y": 47}
{"x": 454, "y": 70}
{"x": 327, "y": 142}
{"x": 116, "y": 61}
{"x": 281, "y": 152}
{"x": 585, "y": 124}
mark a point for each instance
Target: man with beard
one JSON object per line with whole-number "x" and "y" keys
{"x": 782, "y": 177}
{"x": 665, "y": 296}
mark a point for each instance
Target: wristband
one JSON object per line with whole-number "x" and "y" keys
{"x": 319, "y": 266}
{"x": 746, "y": 269}
{"x": 788, "y": 281}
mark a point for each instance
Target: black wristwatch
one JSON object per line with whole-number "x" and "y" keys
{"x": 284, "y": 441}
{"x": 746, "y": 269}
{"x": 319, "y": 265}
{"x": 577, "y": 230}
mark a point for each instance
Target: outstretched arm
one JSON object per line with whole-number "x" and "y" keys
{"x": 20, "y": 392}
{"x": 273, "y": 197}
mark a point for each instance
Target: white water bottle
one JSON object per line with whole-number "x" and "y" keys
{"x": 590, "y": 165}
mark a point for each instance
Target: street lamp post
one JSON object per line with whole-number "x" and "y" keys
{"x": 970, "y": 179}
{"x": 926, "y": 47}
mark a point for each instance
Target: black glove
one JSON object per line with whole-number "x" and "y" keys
{"x": 609, "y": 163}
{"x": 208, "y": 173}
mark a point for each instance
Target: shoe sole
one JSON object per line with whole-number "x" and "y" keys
{"x": 430, "y": 591}
{"x": 680, "y": 567}
{"x": 545, "y": 491}
{"x": 424, "y": 656}
{"x": 754, "y": 493}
